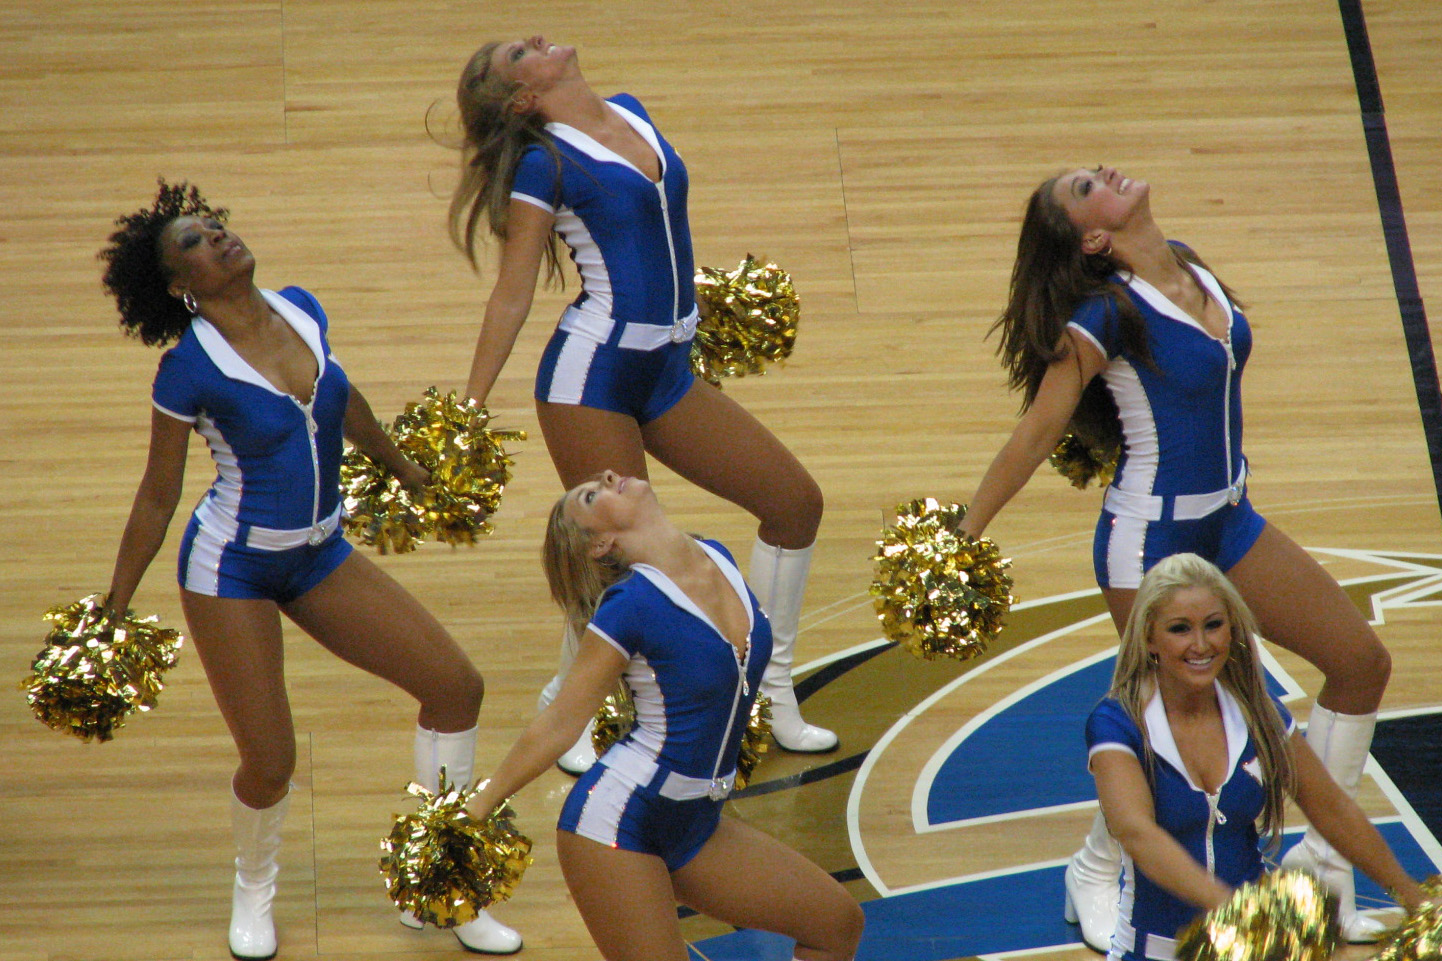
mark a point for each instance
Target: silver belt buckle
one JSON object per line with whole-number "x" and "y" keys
{"x": 1234, "y": 493}
{"x": 681, "y": 330}
{"x": 717, "y": 791}
{"x": 317, "y": 536}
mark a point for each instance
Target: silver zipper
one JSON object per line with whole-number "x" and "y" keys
{"x": 317, "y": 534}
{"x": 670, "y": 243}
{"x": 743, "y": 687}
{"x": 1214, "y": 817}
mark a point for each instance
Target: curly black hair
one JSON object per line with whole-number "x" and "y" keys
{"x": 134, "y": 275}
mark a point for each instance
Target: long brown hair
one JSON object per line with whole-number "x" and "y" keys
{"x": 1052, "y": 276}
{"x": 495, "y": 135}
{"x": 1135, "y": 681}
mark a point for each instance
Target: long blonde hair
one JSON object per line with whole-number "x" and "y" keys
{"x": 495, "y": 135}
{"x": 1134, "y": 681}
{"x": 577, "y": 580}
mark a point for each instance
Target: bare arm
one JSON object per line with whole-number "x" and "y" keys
{"x": 1036, "y": 433}
{"x": 1126, "y": 800}
{"x": 152, "y": 509}
{"x": 361, "y": 429}
{"x": 1346, "y": 827}
{"x": 595, "y": 674}
{"x": 527, "y": 229}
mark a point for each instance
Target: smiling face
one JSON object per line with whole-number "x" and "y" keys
{"x": 202, "y": 256}
{"x": 1100, "y": 200}
{"x": 1191, "y": 636}
{"x": 535, "y": 63}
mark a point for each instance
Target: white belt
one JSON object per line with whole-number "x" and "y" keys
{"x": 1152, "y": 946}
{"x": 630, "y": 763}
{"x": 633, "y": 336}
{"x": 1185, "y": 507}
{"x": 272, "y": 539}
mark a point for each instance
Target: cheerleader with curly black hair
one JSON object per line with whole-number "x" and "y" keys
{"x": 252, "y": 372}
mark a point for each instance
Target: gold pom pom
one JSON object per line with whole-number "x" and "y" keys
{"x": 1081, "y": 464}
{"x": 1420, "y": 936}
{"x": 753, "y": 742}
{"x": 1285, "y": 916}
{"x": 617, "y": 716}
{"x": 469, "y": 470}
{"x": 748, "y": 320}
{"x": 94, "y": 672}
{"x": 937, "y": 592}
{"x": 443, "y": 866}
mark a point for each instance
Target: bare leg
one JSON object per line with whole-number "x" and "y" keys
{"x": 749, "y": 879}
{"x": 1300, "y": 607}
{"x": 624, "y": 897}
{"x": 583, "y": 441}
{"x": 714, "y": 443}
{"x": 239, "y": 645}
{"x": 360, "y": 614}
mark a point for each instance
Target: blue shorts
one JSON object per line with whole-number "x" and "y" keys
{"x": 612, "y": 810}
{"x": 1125, "y": 548}
{"x": 643, "y": 384}
{"x": 213, "y": 566}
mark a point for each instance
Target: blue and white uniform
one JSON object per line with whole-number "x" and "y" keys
{"x": 659, "y": 790}
{"x": 625, "y": 343}
{"x": 1218, "y": 830}
{"x": 269, "y": 527}
{"x": 1180, "y": 485}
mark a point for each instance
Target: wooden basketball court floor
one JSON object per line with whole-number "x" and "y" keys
{"x": 881, "y": 152}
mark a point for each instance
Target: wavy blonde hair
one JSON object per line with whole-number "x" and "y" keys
{"x": 494, "y": 136}
{"x": 1135, "y": 681}
{"x": 577, "y": 580}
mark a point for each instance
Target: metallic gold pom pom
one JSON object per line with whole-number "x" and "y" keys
{"x": 1420, "y": 936}
{"x": 748, "y": 320}
{"x": 1081, "y": 464}
{"x": 94, "y": 672}
{"x": 469, "y": 471}
{"x": 1285, "y": 916}
{"x": 617, "y": 716}
{"x": 753, "y": 742}
{"x": 443, "y": 866}
{"x": 937, "y": 592}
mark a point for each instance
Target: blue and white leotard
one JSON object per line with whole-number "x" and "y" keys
{"x": 624, "y": 344}
{"x": 1180, "y": 484}
{"x": 659, "y": 789}
{"x": 269, "y": 524}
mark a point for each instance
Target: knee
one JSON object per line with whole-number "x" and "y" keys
{"x": 464, "y": 691}
{"x": 844, "y": 925}
{"x": 795, "y": 521}
{"x": 265, "y": 776}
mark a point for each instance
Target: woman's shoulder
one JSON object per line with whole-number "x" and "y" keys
{"x": 629, "y": 102}
{"x": 1110, "y": 722}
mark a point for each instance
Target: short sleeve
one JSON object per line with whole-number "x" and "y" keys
{"x": 174, "y": 392}
{"x": 306, "y": 301}
{"x": 1111, "y": 728}
{"x": 619, "y": 617}
{"x": 538, "y": 179}
{"x": 1096, "y": 320}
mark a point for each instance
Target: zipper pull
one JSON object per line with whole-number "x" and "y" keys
{"x": 745, "y": 687}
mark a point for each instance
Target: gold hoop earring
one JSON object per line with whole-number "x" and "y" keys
{"x": 188, "y": 299}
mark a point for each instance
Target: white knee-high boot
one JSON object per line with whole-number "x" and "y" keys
{"x": 581, "y": 755}
{"x": 1342, "y": 742}
{"x": 778, "y": 578}
{"x": 257, "y": 841}
{"x": 1093, "y": 886}
{"x": 457, "y": 754}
